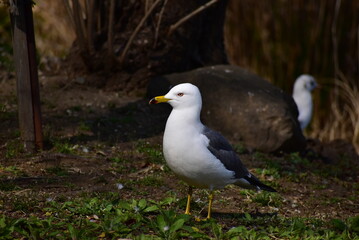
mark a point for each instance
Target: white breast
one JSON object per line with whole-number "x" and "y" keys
{"x": 305, "y": 107}
{"x": 187, "y": 155}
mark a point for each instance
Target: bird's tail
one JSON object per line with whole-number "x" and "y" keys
{"x": 256, "y": 184}
{"x": 262, "y": 186}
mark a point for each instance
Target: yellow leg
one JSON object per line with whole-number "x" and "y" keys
{"x": 210, "y": 198}
{"x": 189, "y": 196}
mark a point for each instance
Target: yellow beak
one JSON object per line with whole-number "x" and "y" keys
{"x": 159, "y": 99}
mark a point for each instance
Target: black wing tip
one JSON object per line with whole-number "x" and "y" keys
{"x": 258, "y": 184}
{"x": 267, "y": 188}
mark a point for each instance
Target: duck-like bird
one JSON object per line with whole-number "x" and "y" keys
{"x": 302, "y": 96}
{"x": 198, "y": 155}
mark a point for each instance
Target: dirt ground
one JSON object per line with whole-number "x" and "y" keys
{"x": 105, "y": 141}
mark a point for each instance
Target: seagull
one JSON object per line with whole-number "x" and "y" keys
{"x": 198, "y": 155}
{"x": 302, "y": 96}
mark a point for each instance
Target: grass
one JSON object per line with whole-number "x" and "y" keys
{"x": 129, "y": 211}
{"x": 267, "y": 199}
{"x": 153, "y": 153}
{"x": 14, "y": 148}
{"x": 119, "y": 164}
{"x": 5, "y": 114}
{"x": 9, "y": 170}
{"x": 83, "y": 126}
{"x": 58, "y": 171}
{"x": 7, "y": 186}
{"x": 240, "y": 148}
{"x": 155, "y": 181}
{"x": 109, "y": 217}
{"x": 63, "y": 147}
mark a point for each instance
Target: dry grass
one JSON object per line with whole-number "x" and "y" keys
{"x": 342, "y": 120}
{"x": 54, "y": 37}
{"x": 280, "y": 40}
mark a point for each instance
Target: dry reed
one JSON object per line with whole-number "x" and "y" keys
{"x": 342, "y": 120}
{"x": 280, "y": 40}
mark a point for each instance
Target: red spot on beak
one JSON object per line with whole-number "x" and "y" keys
{"x": 153, "y": 101}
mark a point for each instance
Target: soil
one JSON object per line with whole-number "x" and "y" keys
{"x": 98, "y": 141}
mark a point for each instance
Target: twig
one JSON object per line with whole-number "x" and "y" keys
{"x": 192, "y": 14}
{"x": 146, "y": 5}
{"x": 77, "y": 22}
{"x": 13, "y": 8}
{"x": 358, "y": 45}
{"x": 110, "y": 27}
{"x": 335, "y": 44}
{"x": 3, "y": 146}
{"x": 70, "y": 13}
{"x": 159, "y": 22}
{"x": 90, "y": 23}
{"x": 130, "y": 40}
{"x": 86, "y": 4}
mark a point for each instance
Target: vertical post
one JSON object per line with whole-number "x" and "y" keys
{"x": 26, "y": 74}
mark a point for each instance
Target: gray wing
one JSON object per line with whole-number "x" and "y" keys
{"x": 223, "y": 151}
{"x": 220, "y": 148}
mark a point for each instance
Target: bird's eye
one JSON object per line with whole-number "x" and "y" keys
{"x": 180, "y": 94}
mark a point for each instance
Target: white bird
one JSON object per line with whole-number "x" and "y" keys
{"x": 303, "y": 98}
{"x": 201, "y": 157}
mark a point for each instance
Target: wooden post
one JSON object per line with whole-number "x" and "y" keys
{"x": 26, "y": 74}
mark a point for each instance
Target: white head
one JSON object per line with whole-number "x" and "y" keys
{"x": 185, "y": 95}
{"x": 305, "y": 82}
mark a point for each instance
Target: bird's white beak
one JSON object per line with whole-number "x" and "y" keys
{"x": 159, "y": 99}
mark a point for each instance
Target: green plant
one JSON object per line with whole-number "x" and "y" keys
{"x": 117, "y": 159}
{"x": 107, "y": 216}
{"x": 260, "y": 156}
{"x": 14, "y": 148}
{"x": 154, "y": 153}
{"x": 354, "y": 224}
{"x": 5, "y": 114}
{"x": 155, "y": 181}
{"x": 7, "y": 227}
{"x": 63, "y": 147}
{"x": 267, "y": 199}
{"x": 295, "y": 158}
{"x": 240, "y": 148}
{"x": 168, "y": 224}
{"x": 58, "y": 171}
{"x": 75, "y": 108}
{"x": 83, "y": 126}
{"x": 269, "y": 172}
{"x": 10, "y": 169}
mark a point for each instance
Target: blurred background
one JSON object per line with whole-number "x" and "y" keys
{"x": 278, "y": 40}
